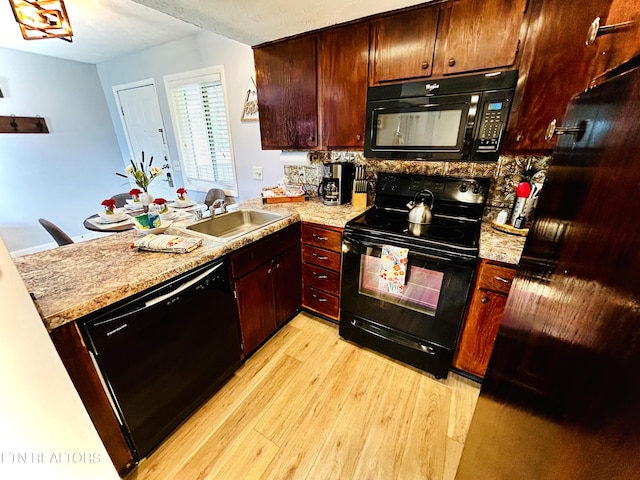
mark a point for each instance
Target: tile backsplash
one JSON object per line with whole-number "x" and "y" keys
{"x": 505, "y": 174}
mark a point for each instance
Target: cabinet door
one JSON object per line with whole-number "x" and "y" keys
{"x": 621, "y": 44}
{"x": 479, "y": 35}
{"x": 343, "y": 63}
{"x": 480, "y": 332}
{"x": 287, "y": 278}
{"x": 556, "y": 64}
{"x": 255, "y": 296}
{"x": 287, "y": 96}
{"x": 403, "y": 45}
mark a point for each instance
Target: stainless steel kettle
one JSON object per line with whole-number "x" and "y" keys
{"x": 420, "y": 213}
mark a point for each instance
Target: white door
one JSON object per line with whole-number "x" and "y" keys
{"x": 142, "y": 123}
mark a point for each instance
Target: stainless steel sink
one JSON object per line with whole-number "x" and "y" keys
{"x": 233, "y": 224}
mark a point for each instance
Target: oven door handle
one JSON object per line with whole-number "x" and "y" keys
{"x": 348, "y": 239}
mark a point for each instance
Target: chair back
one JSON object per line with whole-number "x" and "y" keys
{"x": 121, "y": 199}
{"x": 58, "y": 235}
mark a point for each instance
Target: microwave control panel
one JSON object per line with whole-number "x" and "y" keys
{"x": 492, "y": 123}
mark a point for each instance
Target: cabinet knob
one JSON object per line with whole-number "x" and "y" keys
{"x": 358, "y": 137}
{"x": 596, "y": 30}
{"x": 552, "y": 130}
{"x": 425, "y": 65}
{"x": 452, "y": 62}
{"x": 485, "y": 299}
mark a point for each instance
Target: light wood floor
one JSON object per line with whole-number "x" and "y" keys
{"x": 309, "y": 405}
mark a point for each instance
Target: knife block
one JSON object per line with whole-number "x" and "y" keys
{"x": 359, "y": 199}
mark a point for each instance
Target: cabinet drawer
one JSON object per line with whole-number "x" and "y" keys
{"x": 496, "y": 278}
{"x": 321, "y": 257}
{"x": 321, "y": 279}
{"x": 322, "y": 237}
{"x": 321, "y": 302}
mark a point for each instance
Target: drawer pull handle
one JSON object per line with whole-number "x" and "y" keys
{"x": 321, "y": 277}
{"x": 320, "y": 257}
{"x": 503, "y": 280}
{"x": 324, "y": 239}
{"x": 320, "y": 299}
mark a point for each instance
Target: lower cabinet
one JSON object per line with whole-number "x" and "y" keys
{"x": 268, "y": 285}
{"x": 483, "y": 318}
{"x": 321, "y": 265}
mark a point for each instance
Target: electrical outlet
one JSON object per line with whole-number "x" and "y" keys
{"x": 257, "y": 173}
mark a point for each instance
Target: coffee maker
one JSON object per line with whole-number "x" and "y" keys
{"x": 337, "y": 183}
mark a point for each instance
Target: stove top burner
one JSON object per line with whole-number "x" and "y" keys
{"x": 436, "y": 231}
{"x": 376, "y": 222}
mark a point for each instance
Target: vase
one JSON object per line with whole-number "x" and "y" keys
{"x": 146, "y": 200}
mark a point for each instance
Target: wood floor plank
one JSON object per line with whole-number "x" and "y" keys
{"x": 309, "y": 405}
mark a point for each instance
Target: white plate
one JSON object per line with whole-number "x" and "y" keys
{"x": 115, "y": 218}
{"x": 172, "y": 215}
{"x": 163, "y": 226}
{"x": 183, "y": 203}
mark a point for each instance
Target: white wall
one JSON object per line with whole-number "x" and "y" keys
{"x": 45, "y": 432}
{"x": 204, "y": 49}
{"x": 64, "y": 175}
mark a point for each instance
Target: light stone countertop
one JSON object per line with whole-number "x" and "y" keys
{"x": 74, "y": 280}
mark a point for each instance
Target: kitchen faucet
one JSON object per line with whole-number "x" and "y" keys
{"x": 218, "y": 203}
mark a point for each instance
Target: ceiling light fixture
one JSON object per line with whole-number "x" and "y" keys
{"x": 42, "y": 19}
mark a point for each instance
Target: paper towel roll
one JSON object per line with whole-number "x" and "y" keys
{"x": 294, "y": 158}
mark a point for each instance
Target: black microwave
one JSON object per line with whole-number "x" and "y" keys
{"x": 460, "y": 118}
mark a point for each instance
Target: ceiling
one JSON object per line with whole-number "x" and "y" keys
{"x": 107, "y": 29}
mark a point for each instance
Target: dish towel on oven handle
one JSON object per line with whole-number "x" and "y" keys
{"x": 393, "y": 269}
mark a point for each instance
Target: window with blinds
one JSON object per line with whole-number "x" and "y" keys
{"x": 201, "y": 125}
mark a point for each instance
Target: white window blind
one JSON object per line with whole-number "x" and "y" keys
{"x": 202, "y": 129}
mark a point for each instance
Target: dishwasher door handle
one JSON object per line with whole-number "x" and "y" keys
{"x": 181, "y": 288}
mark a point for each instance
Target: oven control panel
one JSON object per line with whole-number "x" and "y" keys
{"x": 463, "y": 190}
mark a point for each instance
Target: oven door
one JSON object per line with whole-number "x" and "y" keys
{"x": 419, "y": 326}
{"x": 421, "y": 127}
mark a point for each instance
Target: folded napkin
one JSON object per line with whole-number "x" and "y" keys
{"x": 393, "y": 269}
{"x": 167, "y": 243}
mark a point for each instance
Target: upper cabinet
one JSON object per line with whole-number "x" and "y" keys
{"x": 478, "y": 35}
{"x": 402, "y": 45}
{"x": 287, "y": 96}
{"x": 617, "y": 39}
{"x": 343, "y": 63}
{"x": 556, "y": 64}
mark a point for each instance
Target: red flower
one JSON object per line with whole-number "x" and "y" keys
{"x": 110, "y": 203}
{"x": 181, "y": 191}
{"x": 159, "y": 201}
{"x": 134, "y": 192}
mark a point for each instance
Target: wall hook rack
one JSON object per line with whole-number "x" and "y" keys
{"x": 13, "y": 124}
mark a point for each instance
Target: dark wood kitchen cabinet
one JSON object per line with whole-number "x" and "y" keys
{"x": 268, "y": 285}
{"x": 402, "y": 45}
{"x": 287, "y": 93}
{"x": 483, "y": 317}
{"x": 478, "y": 35}
{"x": 343, "y": 63}
{"x": 622, "y": 42}
{"x": 556, "y": 64}
{"x": 321, "y": 267}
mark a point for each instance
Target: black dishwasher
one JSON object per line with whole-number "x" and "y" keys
{"x": 165, "y": 351}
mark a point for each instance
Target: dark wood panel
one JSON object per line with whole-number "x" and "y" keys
{"x": 321, "y": 257}
{"x": 321, "y": 302}
{"x": 76, "y": 359}
{"x": 619, "y": 45}
{"x": 560, "y": 397}
{"x": 479, "y": 35}
{"x": 287, "y": 94}
{"x": 256, "y": 311}
{"x": 321, "y": 278}
{"x": 343, "y": 64}
{"x": 556, "y": 65}
{"x": 479, "y": 332}
{"x": 255, "y": 254}
{"x": 403, "y": 45}
{"x": 323, "y": 237}
{"x": 288, "y": 284}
